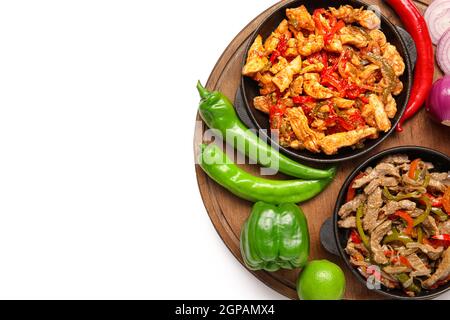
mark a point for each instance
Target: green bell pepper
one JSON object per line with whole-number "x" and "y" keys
{"x": 220, "y": 116}
{"x": 275, "y": 237}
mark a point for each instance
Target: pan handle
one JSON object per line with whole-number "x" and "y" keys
{"x": 327, "y": 237}
{"x": 410, "y": 45}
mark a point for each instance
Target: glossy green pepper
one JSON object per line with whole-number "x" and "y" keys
{"x": 220, "y": 116}
{"x": 275, "y": 237}
{"x": 221, "y": 169}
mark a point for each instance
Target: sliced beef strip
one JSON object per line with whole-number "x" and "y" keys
{"x": 416, "y": 212}
{"x": 396, "y": 269}
{"x": 374, "y": 203}
{"x": 393, "y": 206}
{"x": 407, "y": 181}
{"x": 442, "y": 272}
{"x": 382, "y": 169}
{"x": 430, "y": 226}
{"x": 380, "y": 182}
{"x": 351, "y": 206}
{"x": 420, "y": 269}
{"x": 436, "y": 185}
{"x": 444, "y": 227}
{"x": 375, "y": 239}
{"x": 431, "y": 252}
{"x": 348, "y": 222}
{"x": 396, "y": 159}
{"x": 439, "y": 176}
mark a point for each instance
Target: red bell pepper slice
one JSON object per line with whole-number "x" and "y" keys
{"x": 355, "y": 237}
{"x": 408, "y": 219}
{"x": 303, "y": 99}
{"x": 351, "y": 192}
{"x": 413, "y": 168}
{"x": 335, "y": 29}
{"x": 435, "y": 201}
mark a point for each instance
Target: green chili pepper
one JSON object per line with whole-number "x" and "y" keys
{"x": 221, "y": 169}
{"x": 426, "y": 213}
{"x": 275, "y": 237}
{"x": 399, "y": 197}
{"x": 419, "y": 235}
{"x": 387, "y": 72}
{"x": 219, "y": 115}
{"x": 426, "y": 181}
{"x": 442, "y": 216}
{"x": 359, "y": 226}
{"x": 403, "y": 277}
{"x": 396, "y": 236}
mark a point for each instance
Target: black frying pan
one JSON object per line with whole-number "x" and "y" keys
{"x": 260, "y": 121}
{"x": 334, "y": 239}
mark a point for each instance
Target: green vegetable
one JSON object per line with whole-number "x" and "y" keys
{"x": 403, "y": 277}
{"x": 426, "y": 213}
{"x": 275, "y": 237}
{"x": 442, "y": 216}
{"x": 386, "y": 70}
{"x": 359, "y": 226}
{"x": 396, "y": 236}
{"x": 221, "y": 169}
{"x": 399, "y": 197}
{"x": 219, "y": 115}
{"x": 419, "y": 235}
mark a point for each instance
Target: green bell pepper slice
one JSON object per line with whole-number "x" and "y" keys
{"x": 275, "y": 237}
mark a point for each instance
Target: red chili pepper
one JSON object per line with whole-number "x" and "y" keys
{"x": 424, "y": 69}
{"x": 274, "y": 56}
{"x": 351, "y": 192}
{"x": 355, "y": 237}
{"x": 275, "y": 113}
{"x": 441, "y": 240}
{"x": 413, "y": 168}
{"x": 435, "y": 201}
{"x": 408, "y": 219}
{"x": 303, "y": 99}
{"x": 317, "y": 22}
{"x": 403, "y": 260}
{"x": 344, "y": 124}
{"x": 364, "y": 100}
{"x": 357, "y": 119}
{"x": 335, "y": 29}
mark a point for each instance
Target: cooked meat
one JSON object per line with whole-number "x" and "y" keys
{"x": 374, "y": 203}
{"x": 375, "y": 239}
{"x": 420, "y": 269}
{"x": 396, "y": 159}
{"x": 284, "y": 78}
{"x": 381, "y": 118}
{"x": 296, "y": 87}
{"x": 380, "y": 182}
{"x": 299, "y": 122}
{"x": 381, "y": 170}
{"x": 300, "y": 18}
{"x": 331, "y": 143}
{"x": 416, "y": 212}
{"x": 436, "y": 186}
{"x": 396, "y": 269}
{"x": 393, "y": 206}
{"x": 351, "y": 206}
{"x": 431, "y": 252}
{"x": 442, "y": 272}
{"x": 256, "y": 59}
{"x": 349, "y": 222}
{"x": 439, "y": 176}
{"x": 262, "y": 103}
{"x": 444, "y": 227}
{"x": 430, "y": 226}
{"x": 313, "y": 88}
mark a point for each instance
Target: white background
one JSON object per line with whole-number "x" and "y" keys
{"x": 98, "y": 197}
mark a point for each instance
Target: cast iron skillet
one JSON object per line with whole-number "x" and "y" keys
{"x": 249, "y": 89}
{"x": 336, "y": 244}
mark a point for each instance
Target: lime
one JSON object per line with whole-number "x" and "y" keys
{"x": 321, "y": 280}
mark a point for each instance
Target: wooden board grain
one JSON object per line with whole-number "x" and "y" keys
{"x": 228, "y": 212}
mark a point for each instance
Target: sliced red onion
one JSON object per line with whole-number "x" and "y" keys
{"x": 438, "y": 102}
{"x": 437, "y": 17}
{"x": 443, "y": 52}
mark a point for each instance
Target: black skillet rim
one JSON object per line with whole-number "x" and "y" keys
{"x": 340, "y": 200}
{"x": 334, "y": 158}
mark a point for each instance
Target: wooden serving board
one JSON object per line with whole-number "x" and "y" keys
{"x": 228, "y": 212}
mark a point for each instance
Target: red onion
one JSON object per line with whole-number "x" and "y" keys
{"x": 438, "y": 102}
{"x": 443, "y": 52}
{"x": 437, "y": 17}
